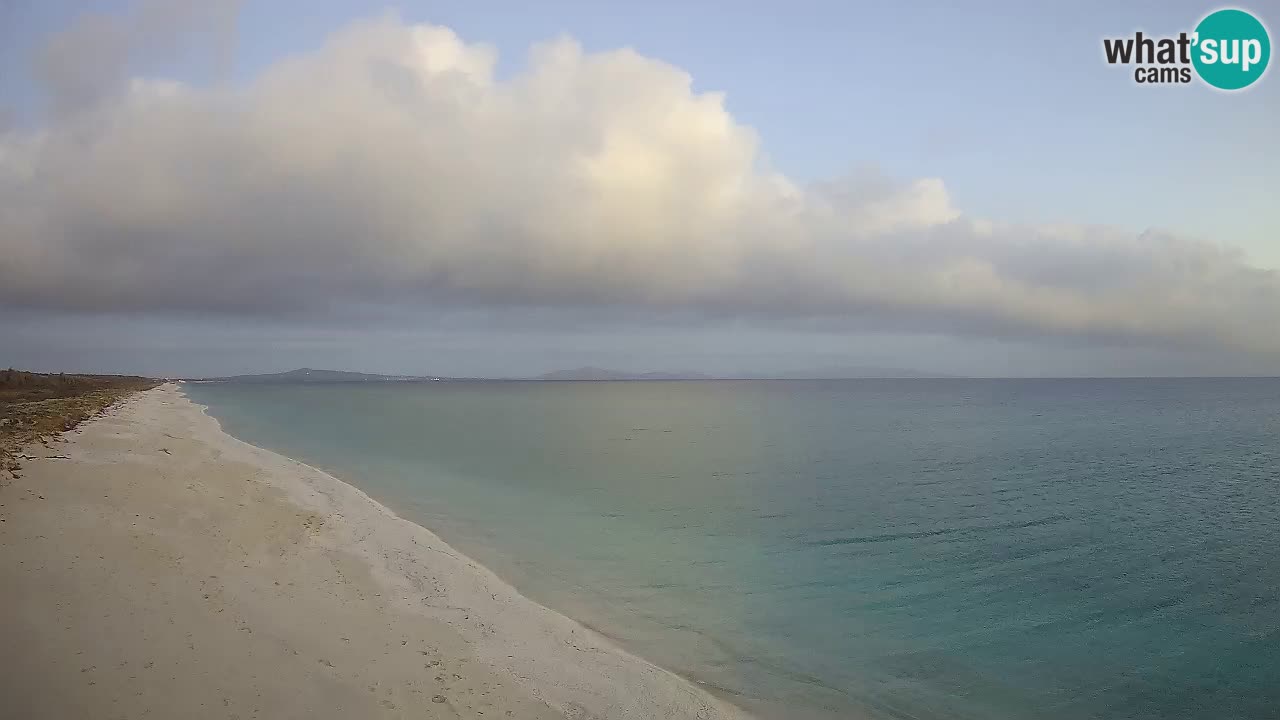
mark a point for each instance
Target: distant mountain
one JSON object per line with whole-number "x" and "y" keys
{"x": 318, "y": 376}
{"x": 310, "y": 375}
{"x": 831, "y": 373}
{"x": 595, "y": 373}
{"x": 855, "y": 372}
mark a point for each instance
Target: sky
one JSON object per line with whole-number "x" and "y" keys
{"x": 503, "y": 189}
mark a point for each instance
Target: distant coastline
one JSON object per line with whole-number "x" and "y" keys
{"x": 593, "y": 374}
{"x": 582, "y": 374}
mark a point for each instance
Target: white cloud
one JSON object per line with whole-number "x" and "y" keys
{"x": 392, "y": 166}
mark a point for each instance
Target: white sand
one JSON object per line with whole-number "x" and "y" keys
{"x": 165, "y": 569}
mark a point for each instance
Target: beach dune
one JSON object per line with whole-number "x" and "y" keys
{"x": 153, "y": 566}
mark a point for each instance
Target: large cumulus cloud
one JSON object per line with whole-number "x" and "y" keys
{"x": 392, "y": 166}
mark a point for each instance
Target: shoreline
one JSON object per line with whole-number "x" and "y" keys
{"x": 381, "y": 572}
{"x": 600, "y": 637}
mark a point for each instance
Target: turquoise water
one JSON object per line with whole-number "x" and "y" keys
{"x": 900, "y": 549}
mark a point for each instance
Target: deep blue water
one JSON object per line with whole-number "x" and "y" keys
{"x": 901, "y": 549}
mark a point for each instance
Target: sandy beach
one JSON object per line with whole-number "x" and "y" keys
{"x": 153, "y": 566}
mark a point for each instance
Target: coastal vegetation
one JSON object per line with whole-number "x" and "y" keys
{"x": 37, "y": 407}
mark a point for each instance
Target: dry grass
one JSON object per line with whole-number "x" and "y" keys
{"x": 35, "y": 407}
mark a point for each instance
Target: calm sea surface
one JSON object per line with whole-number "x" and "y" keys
{"x": 899, "y": 549}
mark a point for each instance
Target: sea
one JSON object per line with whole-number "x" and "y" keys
{"x": 928, "y": 549}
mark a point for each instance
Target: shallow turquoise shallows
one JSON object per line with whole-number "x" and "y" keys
{"x": 900, "y": 549}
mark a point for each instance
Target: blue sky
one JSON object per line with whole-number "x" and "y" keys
{"x": 1009, "y": 104}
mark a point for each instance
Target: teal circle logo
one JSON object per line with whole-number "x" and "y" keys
{"x": 1231, "y": 49}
